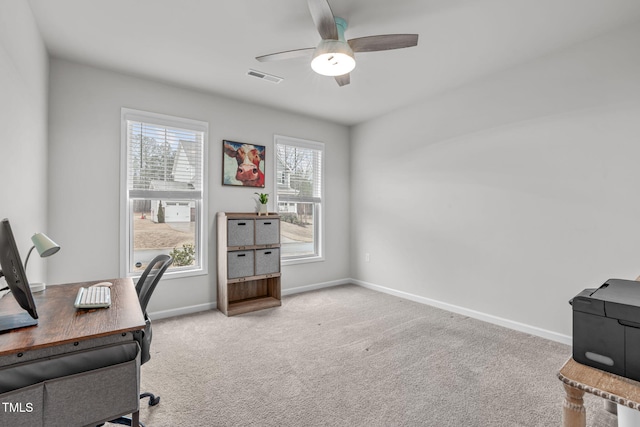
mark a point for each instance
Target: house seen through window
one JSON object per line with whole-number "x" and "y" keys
{"x": 163, "y": 195}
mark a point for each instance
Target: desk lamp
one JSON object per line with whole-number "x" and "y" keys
{"x": 45, "y": 247}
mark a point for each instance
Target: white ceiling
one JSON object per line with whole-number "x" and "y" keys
{"x": 210, "y": 45}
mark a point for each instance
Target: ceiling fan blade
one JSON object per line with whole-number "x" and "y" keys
{"x": 344, "y": 79}
{"x": 323, "y": 18}
{"x": 383, "y": 42}
{"x": 287, "y": 54}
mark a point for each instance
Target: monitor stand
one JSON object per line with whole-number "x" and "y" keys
{"x": 9, "y": 322}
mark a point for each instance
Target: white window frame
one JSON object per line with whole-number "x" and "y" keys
{"x": 126, "y": 227}
{"x": 319, "y": 208}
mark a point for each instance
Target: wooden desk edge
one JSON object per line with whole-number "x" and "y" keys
{"x": 60, "y": 300}
{"x": 594, "y": 390}
{"x": 68, "y": 341}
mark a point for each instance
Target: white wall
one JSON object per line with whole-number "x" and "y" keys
{"x": 23, "y": 130}
{"x": 510, "y": 195}
{"x": 85, "y": 105}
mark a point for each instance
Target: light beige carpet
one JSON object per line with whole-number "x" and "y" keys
{"x": 349, "y": 356}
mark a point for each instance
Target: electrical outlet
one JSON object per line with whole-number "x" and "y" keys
{"x": 366, "y": 257}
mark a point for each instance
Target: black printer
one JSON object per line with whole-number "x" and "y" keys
{"x": 606, "y": 327}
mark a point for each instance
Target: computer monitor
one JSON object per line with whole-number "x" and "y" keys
{"x": 13, "y": 271}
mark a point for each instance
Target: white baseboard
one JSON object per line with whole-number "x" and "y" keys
{"x": 156, "y": 315}
{"x": 315, "y": 286}
{"x": 213, "y": 305}
{"x": 533, "y": 330}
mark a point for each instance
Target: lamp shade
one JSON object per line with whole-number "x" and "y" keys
{"x": 333, "y": 58}
{"x": 44, "y": 245}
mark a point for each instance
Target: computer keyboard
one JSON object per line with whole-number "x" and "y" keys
{"x": 93, "y": 297}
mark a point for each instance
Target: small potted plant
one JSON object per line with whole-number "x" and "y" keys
{"x": 263, "y": 199}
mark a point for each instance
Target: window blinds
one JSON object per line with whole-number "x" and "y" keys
{"x": 299, "y": 171}
{"x": 163, "y": 161}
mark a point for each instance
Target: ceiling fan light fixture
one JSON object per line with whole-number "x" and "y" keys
{"x": 333, "y": 58}
{"x": 334, "y": 55}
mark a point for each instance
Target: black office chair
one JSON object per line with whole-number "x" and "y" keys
{"x": 144, "y": 287}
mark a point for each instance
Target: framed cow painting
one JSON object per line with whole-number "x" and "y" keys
{"x": 243, "y": 164}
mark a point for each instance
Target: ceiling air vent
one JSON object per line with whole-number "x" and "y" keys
{"x": 264, "y": 76}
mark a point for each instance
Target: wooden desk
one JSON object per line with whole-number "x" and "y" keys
{"x": 59, "y": 322}
{"x": 578, "y": 379}
{"x": 63, "y": 329}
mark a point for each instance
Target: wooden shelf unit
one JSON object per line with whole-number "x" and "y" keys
{"x": 248, "y": 262}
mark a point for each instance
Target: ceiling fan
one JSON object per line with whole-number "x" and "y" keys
{"x": 334, "y": 56}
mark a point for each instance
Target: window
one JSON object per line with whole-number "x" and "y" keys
{"x": 299, "y": 176}
{"x": 163, "y": 167}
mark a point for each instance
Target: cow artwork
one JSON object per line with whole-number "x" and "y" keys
{"x": 243, "y": 164}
